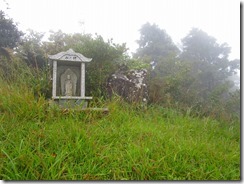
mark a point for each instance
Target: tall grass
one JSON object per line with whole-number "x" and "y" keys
{"x": 126, "y": 144}
{"x": 41, "y": 142}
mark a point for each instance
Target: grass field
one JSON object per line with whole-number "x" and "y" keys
{"x": 39, "y": 142}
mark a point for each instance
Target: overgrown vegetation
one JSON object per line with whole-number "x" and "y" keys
{"x": 190, "y": 129}
{"x": 196, "y": 77}
{"x": 41, "y": 143}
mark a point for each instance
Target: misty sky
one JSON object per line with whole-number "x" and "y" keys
{"x": 122, "y": 19}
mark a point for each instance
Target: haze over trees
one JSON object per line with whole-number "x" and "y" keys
{"x": 194, "y": 76}
{"x": 154, "y": 43}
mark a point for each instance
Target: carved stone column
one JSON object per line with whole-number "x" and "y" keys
{"x": 54, "y": 92}
{"x": 82, "y": 92}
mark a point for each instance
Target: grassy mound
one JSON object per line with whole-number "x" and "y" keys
{"x": 43, "y": 143}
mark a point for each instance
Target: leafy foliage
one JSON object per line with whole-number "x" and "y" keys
{"x": 10, "y": 36}
{"x": 9, "y": 33}
{"x": 208, "y": 58}
{"x": 31, "y": 50}
{"x": 154, "y": 43}
{"x": 195, "y": 79}
{"x": 210, "y": 68}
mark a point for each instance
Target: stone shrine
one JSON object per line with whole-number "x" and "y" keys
{"x": 68, "y": 85}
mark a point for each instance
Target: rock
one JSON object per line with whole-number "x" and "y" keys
{"x": 129, "y": 84}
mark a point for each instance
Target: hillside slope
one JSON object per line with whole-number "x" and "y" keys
{"x": 39, "y": 142}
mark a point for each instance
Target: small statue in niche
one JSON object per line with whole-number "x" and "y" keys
{"x": 68, "y": 83}
{"x": 68, "y": 86}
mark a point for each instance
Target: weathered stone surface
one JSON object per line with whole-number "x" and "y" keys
{"x": 129, "y": 84}
{"x": 68, "y": 88}
{"x": 62, "y": 72}
{"x": 70, "y": 56}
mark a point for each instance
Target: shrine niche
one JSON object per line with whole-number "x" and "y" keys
{"x": 68, "y": 83}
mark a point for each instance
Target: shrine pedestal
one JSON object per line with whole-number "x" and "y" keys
{"x": 72, "y": 101}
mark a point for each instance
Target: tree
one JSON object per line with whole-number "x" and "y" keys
{"x": 154, "y": 43}
{"x": 168, "y": 80}
{"x": 208, "y": 58}
{"x": 210, "y": 68}
{"x": 58, "y": 41}
{"x": 31, "y": 50}
{"x": 9, "y": 34}
{"x": 107, "y": 57}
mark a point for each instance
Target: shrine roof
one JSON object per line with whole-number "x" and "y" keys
{"x": 69, "y": 55}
